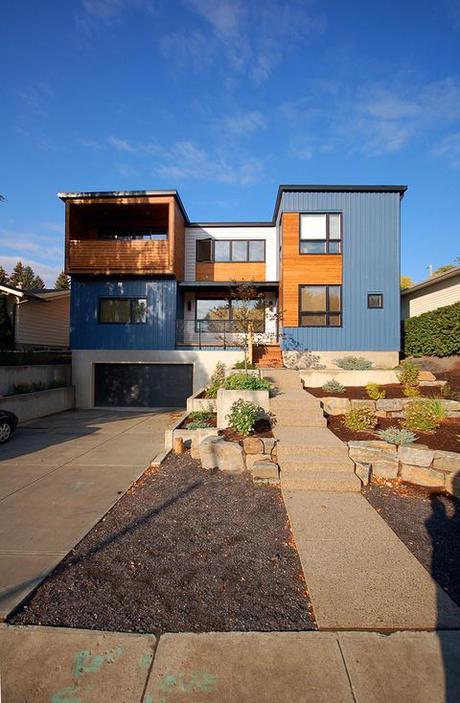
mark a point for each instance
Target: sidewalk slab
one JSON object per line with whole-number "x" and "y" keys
{"x": 359, "y": 573}
{"x": 63, "y": 666}
{"x": 410, "y": 667}
{"x": 238, "y": 667}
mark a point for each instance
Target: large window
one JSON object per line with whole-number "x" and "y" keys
{"x": 321, "y": 233}
{"x": 220, "y": 250}
{"x": 122, "y": 311}
{"x": 320, "y": 306}
{"x": 215, "y": 315}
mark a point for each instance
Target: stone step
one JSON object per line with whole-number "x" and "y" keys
{"x": 298, "y": 464}
{"x": 289, "y": 403}
{"x": 302, "y": 421}
{"x": 321, "y": 481}
{"x": 305, "y": 451}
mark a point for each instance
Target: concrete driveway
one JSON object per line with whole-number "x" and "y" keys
{"x": 58, "y": 477}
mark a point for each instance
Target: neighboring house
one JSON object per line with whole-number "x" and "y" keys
{"x": 436, "y": 292}
{"x": 39, "y": 317}
{"x": 151, "y": 312}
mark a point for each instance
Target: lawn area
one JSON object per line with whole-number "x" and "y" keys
{"x": 185, "y": 550}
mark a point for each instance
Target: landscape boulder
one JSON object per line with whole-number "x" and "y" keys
{"x": 385, "y": 468}
{"x": 335, "y": 406}
{"x": 422, "y": 476}
{"x": 446, "y": 461}
{"x": 416, "y": 455}
{"x": 389, "y": 405}
{"x": 368, "y": 451}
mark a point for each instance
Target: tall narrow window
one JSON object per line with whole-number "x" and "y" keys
{"x": 321, "y": 233}
{"x": 320, "y": 306}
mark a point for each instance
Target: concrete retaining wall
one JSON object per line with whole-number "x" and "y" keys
{"x": 29, "y": 406}
{"x": 317, "y": 378}
{"x": 33, "y": 373}
{"x": 225, "y": 400}
{"x": 380, "y": 359}
{"x": 195, "y": 404}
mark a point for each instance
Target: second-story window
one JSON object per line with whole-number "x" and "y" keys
{"x": 225, "y": 250}
{"x": 122, "y": 311}
{"x": 321, "y": 233}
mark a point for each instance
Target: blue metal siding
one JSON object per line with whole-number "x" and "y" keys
{"x": 371, "y": 263}
{"x": 158, "y": 332}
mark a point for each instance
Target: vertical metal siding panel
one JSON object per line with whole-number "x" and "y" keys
{"x": 157, "y": 333}
{"x": 371, "y": 254}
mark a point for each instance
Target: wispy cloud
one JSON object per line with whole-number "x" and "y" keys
{"x": 449, "y": 148}
{"x": 35, "y": 98}
{"x": 245, "y": 123}
{"x": 230, "y": 34}
{"x": 92, "y": 13}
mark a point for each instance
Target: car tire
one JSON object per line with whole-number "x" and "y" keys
{"x": 5, "y": 432}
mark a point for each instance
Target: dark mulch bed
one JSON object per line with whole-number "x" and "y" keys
{"x": 262, "y": 428}
{"x": 184, "y": 550}
{"x": 445, "y": 437}
{"x": 392, "y": 390}
{"x": 429, "y": 526}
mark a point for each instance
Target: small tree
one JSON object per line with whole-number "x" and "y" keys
{"x": 4, "y": 278}
{"x": 443, "y": 269}
{"x": 25, "y": 277}
{"x": 62, "y": 282}
{"x": 406, "y": 282}
{"x": 246, "y": 301}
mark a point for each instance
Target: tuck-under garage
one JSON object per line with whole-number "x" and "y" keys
{"x": 142, "y": 385}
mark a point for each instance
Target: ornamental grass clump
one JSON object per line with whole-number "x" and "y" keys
{"x": 353, "y": 363}
{"x": 333, "y": 387}
{"x": 397, "y": 435}
{"x": 424, "y": 415}
{"x": 374, "y": 392}
{"x": 360, "y": 420}
{"x": 243, "y": 416}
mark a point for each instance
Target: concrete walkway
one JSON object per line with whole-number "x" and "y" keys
{"x": 58, "y": 477}
{"x": 80, "y": 666}
{"x": 358, "y": 572}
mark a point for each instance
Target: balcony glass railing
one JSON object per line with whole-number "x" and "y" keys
{"x": 218, "y": 333}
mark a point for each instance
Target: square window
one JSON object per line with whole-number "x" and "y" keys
{"x": 221, "y": 250}
{"x": 375, "y": 301}
{"x": 320, "y": 306}
{"x": 239, "y": 250}
{"x": 313, "y": 226}
{"x": 257, "y": 250}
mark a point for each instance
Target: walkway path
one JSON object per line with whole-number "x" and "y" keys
{"x": 61, "y": 665}
{"x": 359, "y": 574}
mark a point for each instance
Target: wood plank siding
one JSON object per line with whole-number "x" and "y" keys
{"x": 87, "y": 253}
{"x": 241, "y": 271}
{"x": 298, "y": 269}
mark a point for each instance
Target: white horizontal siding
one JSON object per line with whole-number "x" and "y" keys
{"x": 44, "y": 324}
{"x": 267, "y": 233}
{"x": 436, "y": 296}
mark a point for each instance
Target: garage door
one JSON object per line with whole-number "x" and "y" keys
{"x": 143, "y": 385}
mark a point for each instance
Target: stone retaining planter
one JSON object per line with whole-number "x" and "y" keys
{"x": 415, "y": 463}
{"x": 385, "y": 407}
{"x": 30, "y": 406}
{"x": 193, "y": 438}
{"x": 197, "y": 403}
{"x": 256, "y": 454}
{"x": 225, "y": 400}
{"x": 317, "y": 378}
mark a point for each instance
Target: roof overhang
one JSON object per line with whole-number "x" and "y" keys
{"x": 432, "y": 281}
{"x": 102, "y": 194}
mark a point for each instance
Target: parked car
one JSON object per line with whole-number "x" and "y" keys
{"x": 8, "y": 424}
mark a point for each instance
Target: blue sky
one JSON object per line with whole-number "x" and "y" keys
{"x": 224, "y": 100}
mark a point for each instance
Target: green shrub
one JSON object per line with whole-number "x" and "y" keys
{"x": 245, "y": 382}
{"x": 374, "y": 392}
{"x": 434, "y": 333}
{"x": 240, "y": 365}
{"x": 333, "y": 387}
{"x": 216, "y": 381}
{"x": 411, "y": 391}
{"x": 408, "y": 373}
{"x": 243, "y": 415}
{"x": 197, "y": 425}
{"x": 423, "y": 415}
{"x": 21, "y": 388}
{"x": 200, "y": 419}
{"x": 397, "y": 435}
{"x": 360, "y": 419}
{"x": 353, "y": 363}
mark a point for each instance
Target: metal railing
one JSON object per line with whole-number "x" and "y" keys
{"x": 219, "y": 333}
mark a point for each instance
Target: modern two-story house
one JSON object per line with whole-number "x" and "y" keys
{"x": 153, "y": 303}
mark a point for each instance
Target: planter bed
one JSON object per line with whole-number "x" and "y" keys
{"x": 443, "y": 438}
{"x": 392, "y": 390}
{"x": 185, "y": 550}
{"x": 429, "y": 526}
{"x": 212, "y": 422}
{"x": 262, "y": 429}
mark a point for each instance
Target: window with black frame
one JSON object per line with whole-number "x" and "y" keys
{"x": 320, "y": 233}
{"x": 122, "y": 311}
{"x": 228, "y": 250}
{"x": 222, "y": 314}
{"x": 320, "y": 306}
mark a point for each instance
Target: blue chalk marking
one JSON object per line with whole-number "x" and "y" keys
{"x": 66, "y": 695}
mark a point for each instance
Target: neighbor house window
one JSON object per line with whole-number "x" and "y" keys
{"x": 375, "y": 301}
{"x": 215, "y": 315}
{"x": 320, "y": 306}
{"x": 121, "y": 311}
{"x": 225, "y": 250}
{"x": 321, "y": 233}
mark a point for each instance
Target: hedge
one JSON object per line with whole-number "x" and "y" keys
{"x": 434, "y": 333}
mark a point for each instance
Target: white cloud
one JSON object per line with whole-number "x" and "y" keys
{"x": 92, "y": 13}
{"x": 449, "y": 148}
{"x": 45, "y": 271}
{"x": 245, "y": 123}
